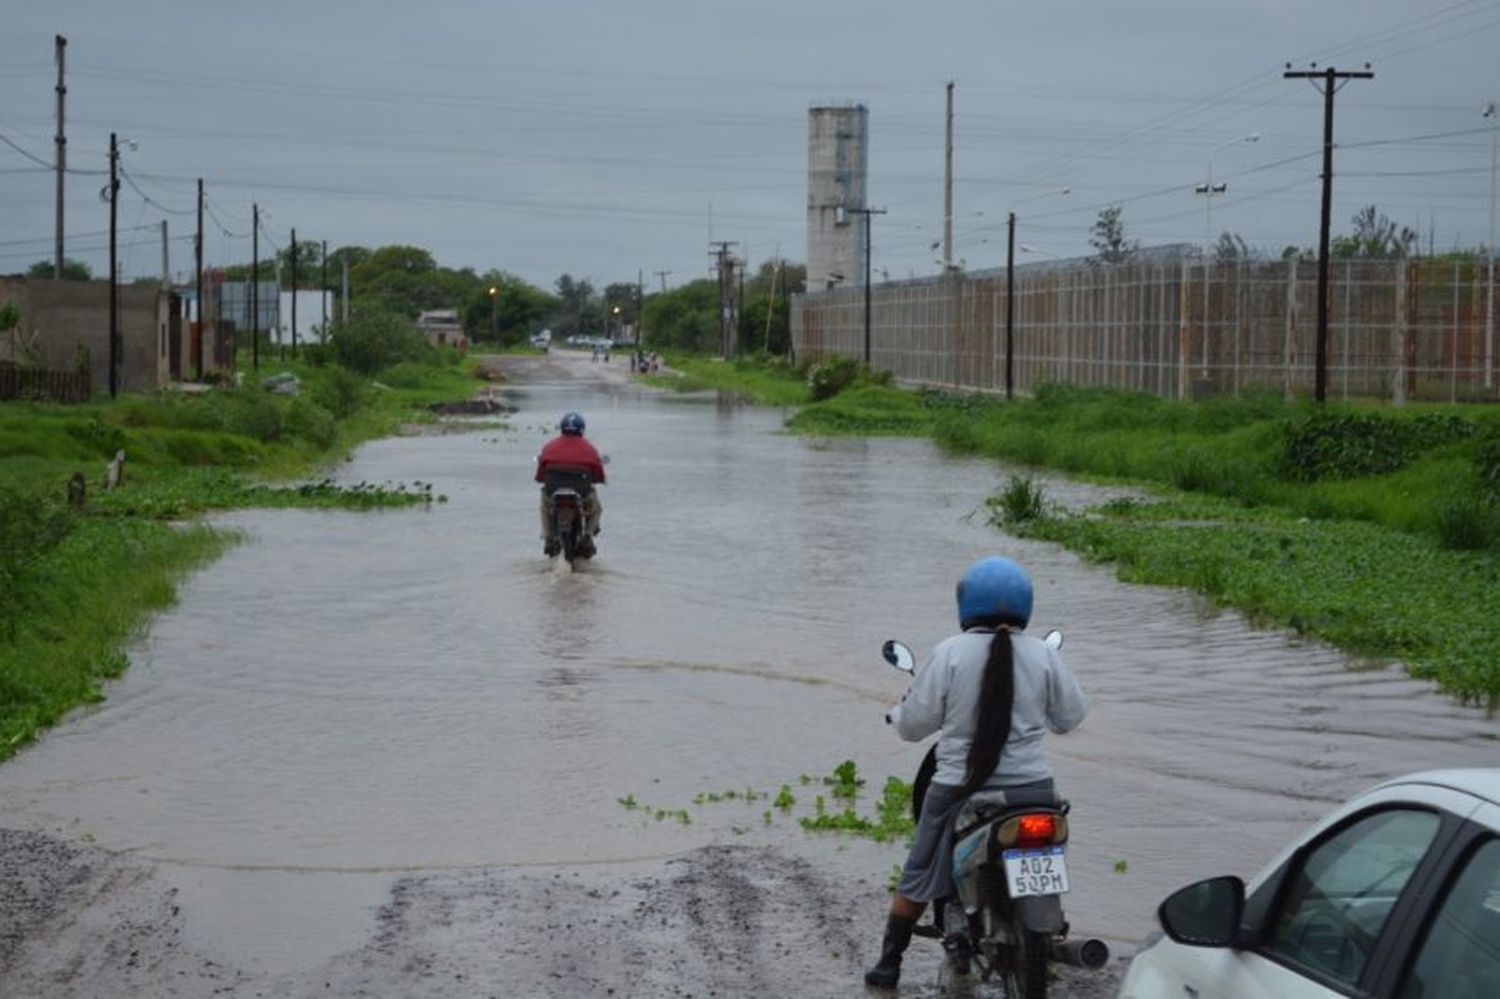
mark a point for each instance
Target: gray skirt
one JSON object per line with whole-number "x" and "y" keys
{"x": 928, "y": 873}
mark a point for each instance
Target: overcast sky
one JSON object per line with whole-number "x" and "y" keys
{"x": 605, "y": 139}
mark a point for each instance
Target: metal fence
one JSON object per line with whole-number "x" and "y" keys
{"x": 43, "y": 385}
{"x": 1408, "y": 329}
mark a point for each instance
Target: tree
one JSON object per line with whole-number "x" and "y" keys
{"x": 309, "y": 262}
{"x": 1109, "y": 238}
{"x": 579, "y": 307}
{"x": 72, "y": 270}
{"x": 1375, "y": 237}
{"x": 518, "y": 308}
{"x": 1232, "y": 248}
{"x": 685, "y": 318}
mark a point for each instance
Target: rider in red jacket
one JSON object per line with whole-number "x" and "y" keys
{"x": 569, "y": 451}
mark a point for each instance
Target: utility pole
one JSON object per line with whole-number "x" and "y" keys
{"x": 1490, "y": 112}
{"x": 197, "y": 339}
{"x": 867, "y": 212}
{"x": 255, "y": 285}
{"x": 947, "y": 199}
{"x": 344, "y": 298}
{"x": 726, "y": 300}
{"x": 114, "y": 275}
{"x": 62, "y": 154}
{"x": 1331, "y": 83}
{"x": 166, "y": 262}
{"x": 323, "y": 292}
{"x": 1010, "y": 305}
{"x": 663, "y": 276}
{"x": 294, "y": 292}
{"x": 640, "y": 306}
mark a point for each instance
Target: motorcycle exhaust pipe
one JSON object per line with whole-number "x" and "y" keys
{"x": 1092, "y": 953}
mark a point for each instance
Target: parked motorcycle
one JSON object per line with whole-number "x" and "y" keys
{"x": 570, "y": 491}
{"x": 1010, "y": 872}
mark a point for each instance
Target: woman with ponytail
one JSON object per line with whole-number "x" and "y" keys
{"x": 991, "y": 693}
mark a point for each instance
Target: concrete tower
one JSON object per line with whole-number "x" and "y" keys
{"x": 837, "y": 154}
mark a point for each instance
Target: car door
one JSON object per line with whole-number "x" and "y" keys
{"x": 1456, "y": 952}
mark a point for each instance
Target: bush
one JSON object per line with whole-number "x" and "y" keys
{"x": 373, "y": 341}
{"x": 1329, "y": 444}
{"x": 249, "y": 414}
{"x": 341, "y": 392}
{"x": 829, "y": 377}
{"x": 309, "y": 421}
{"x": 30, "y": 524}
{"x": 1469, "y": 524}
{"x": 1022, "y": 500}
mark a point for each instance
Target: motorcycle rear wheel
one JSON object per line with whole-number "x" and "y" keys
{"x": 1025, "y": 976}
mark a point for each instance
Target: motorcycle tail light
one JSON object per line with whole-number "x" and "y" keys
{"x": 1032, "y": 830}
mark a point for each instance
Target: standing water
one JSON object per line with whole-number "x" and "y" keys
{"x": 349, "y": 698}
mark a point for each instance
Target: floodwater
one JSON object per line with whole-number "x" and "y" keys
{"x": 347, "y": 698}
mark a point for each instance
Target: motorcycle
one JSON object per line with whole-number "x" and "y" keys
{"x": 1009, "y": 873}
{"x": 570, "y": 491}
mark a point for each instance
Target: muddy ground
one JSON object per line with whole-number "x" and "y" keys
{"x": 77, "y": 921}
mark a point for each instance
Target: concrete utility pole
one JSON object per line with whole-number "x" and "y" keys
{"x": 166, "y": 261}
{"x": 867, "y": 212}
{"x": 114, "y": 274}
{"x": 640, "y": 304}
{"x": 255, "y": 286}
{"x": 726, "y": 297}
{"x": 663, "y": 276}
{"x": 197, "y": 339}
{"x": 1331, "y": 83}
{"x": 323, "y": 293}
{"x": 947, "y": 192}
{"x": 62, "y": 154}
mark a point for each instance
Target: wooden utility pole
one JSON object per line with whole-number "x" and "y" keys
{"x": 255, "y": 286}
{"x": 62, "y": 154}
{"x": 663, "y": 276}
{"x": 114, "y": 272}
{"x": 323, "y": 292}
{"x": 202, "y": 311}
{"x": 294, "y": 292}
{"x": 1331, "y": 82}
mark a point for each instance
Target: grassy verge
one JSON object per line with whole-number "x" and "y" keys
{"x": 1375, "y": 529}
{"x": 769, "y": 383}
{"x": 78, "y": 582}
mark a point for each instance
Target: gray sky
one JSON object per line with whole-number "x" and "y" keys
{"x": 593, "y": 137}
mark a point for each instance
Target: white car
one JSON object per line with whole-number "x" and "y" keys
{"x": 1396, "y": 895}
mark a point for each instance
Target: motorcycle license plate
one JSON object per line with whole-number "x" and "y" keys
{"x": 1042, "y": 871}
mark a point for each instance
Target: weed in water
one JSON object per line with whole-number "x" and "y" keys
{"x": 1023, "y": 499}
{"x": 785, "y": 799}
{"x": 1121, "y": 867}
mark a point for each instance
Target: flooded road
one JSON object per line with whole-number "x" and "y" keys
{"x": 364, "y": 740}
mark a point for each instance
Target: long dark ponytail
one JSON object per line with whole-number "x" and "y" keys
{"x": 997, "y": 696}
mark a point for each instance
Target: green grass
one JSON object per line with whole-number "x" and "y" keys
{"x": 1365, "y": 588}
{"x": 767, "y": 382}
{"x": 63, "y": 635}
{"x": 79, "y": 584}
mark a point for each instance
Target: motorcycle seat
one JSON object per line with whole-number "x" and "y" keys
{"x": 988, "y": 805}
{"x": 564, "y": 477}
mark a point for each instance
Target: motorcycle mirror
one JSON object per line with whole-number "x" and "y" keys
{"x": 899, "y": 656}
{"x": 1053, "y": 639}
{"x": 604, "y": 459}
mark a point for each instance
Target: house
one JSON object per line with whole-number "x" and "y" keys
{"x": 442, "y": 328}
{"x": 64, "y": 326}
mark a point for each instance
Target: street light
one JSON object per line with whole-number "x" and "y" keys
{"x": 495, "y": 314}
{"x": 616, "y": 313}
{"x": 1208, "y": 190}
{"x": 1010, "y": 287}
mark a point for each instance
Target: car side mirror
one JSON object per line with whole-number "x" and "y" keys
{"x": 1206, "y": 913}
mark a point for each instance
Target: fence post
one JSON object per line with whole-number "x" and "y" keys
{"x": 1289, "y": 346}
{"x": 1398, "y": 337}
{"x": 1183, "y": 347}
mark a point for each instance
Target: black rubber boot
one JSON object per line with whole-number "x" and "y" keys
{"x": 887, "y": 971}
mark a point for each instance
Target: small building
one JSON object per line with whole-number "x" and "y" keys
{"x": 442, "y": 328}
{"x": 64, "y": 326}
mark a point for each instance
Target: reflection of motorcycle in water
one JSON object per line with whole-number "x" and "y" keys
{"x": 1009, "y": 874}
{"x": 571, "y": 494}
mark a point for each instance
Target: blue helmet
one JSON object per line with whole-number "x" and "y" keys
{"x": 571, "y": 424}
{"x": 994, "y": 590}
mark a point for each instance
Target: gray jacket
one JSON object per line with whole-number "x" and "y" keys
{"x": 944, "y": 698}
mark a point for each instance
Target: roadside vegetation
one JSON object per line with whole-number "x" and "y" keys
{"x": 1376, "y": 529}
{"x": 81, "y": 569}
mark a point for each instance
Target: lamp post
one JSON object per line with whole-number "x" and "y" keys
{"x": 614, "y": 312}
{"x": 1208, "y": 190}
{"x": 1492, "y": 112}
{"x": 868, "y": 213}
{"x": 495, "y": 314}
{"x": 1010, "y": 287}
